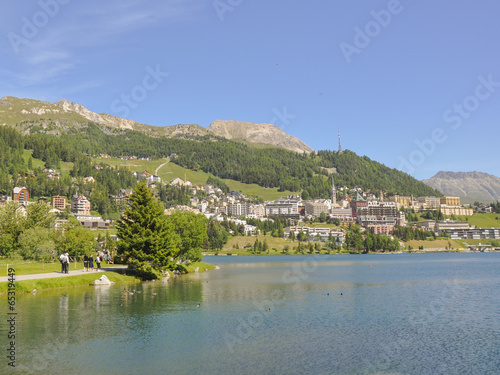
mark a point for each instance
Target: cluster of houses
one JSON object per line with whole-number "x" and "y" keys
{"x": 459, "y": 230}
{"x": 51, "y": 173}
{"x": 376, "y": 214}
{"x": 132, "y": 157}
{"x": 79, "y": 207}
{"x": 151, "y": 179}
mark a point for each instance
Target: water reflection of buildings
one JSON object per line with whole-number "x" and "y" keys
{"x": 64, "y": 314}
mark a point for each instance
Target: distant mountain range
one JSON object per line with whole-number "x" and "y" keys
{"x": 470, "y": 186}
{"x": 64, "y": 116}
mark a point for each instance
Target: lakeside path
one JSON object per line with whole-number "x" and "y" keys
{"x": 51, "y": 275}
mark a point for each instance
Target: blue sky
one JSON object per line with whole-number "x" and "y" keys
{"x": 413, "y": 84}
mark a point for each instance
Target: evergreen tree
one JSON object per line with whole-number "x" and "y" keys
{"x": 217, "y": 236}
{"x": 145, "y": 234}
{"x": 192, "y": 230}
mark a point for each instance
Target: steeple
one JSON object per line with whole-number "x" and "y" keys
{"x": 334, "y": 194}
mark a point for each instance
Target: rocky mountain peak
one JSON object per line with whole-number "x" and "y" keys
{"x": 471, "y": 186}
{"x": 258, "y": 133}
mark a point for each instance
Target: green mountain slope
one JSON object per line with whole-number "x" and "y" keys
{"x": 56, "y": 135}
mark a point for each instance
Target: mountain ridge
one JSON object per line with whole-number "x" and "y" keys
{"x": 64, "y": 115}
{"x": 470, "y": 186}
{"x": 258, "y": 133}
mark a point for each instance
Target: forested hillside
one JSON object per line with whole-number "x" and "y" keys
{"x": 267, "y": 167}
{"x": 14, "y": 171}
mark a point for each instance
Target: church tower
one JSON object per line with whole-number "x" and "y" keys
{"x": 334, "y": 194}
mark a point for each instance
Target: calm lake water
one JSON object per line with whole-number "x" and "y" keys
{"x": 342, "y": 314}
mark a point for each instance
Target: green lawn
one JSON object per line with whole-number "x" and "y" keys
{"x": 172, "y": 170}
{"x": 37, "y": 163}
{"x": 254, "y": 190}
{"x": 33, "y": 267}
{"x": 135, "y": 165}
{"x": 321, "y": 225}
{"x": 65, "y": 168}
{"x": 120, "y": 276}
{"x": 432, "y": 244}
{"x": 242, "y": 241}
{"x": 67, "y": 282}
{"x": 477, "y": 242}
{"x": 482, "y": 220}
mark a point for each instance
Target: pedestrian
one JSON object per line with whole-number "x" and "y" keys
{"x": 52, "y": 255}
{"x": 85, "y": 262}
{"x": 61, "y": 259}
{"x": 66, "y": 264}
{"x": 91, "y": 262}
{"x": 98, "y": 262}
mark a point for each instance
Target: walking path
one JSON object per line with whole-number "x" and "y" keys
{"x": 50, "y": 275}
{"x": 157, "y": 169}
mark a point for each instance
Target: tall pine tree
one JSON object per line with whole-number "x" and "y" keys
{"x": 144, "y": 233}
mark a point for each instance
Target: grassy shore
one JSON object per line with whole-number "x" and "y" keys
{"x": 435, "y": 244}
{"x": 119, "y": 276}
{"x": 241, "y": 245}
{"x": 27, "y": 286}
{"x": 202, "y": 267}
{"x": 32, "y": 267}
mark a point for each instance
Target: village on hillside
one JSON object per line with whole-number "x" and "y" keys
{"x": 347, "y": 206}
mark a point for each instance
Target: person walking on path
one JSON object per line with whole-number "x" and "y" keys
{"x": 68, "y": 262}
{"x": 98, "y": 262}
{"x": 91, "y": 262}
{"x": 61, "y": 259}
{"x": 65, "y": 263}
{"x": 85, "y": 262}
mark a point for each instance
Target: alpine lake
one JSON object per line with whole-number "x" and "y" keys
{"x": 297, "y": 314}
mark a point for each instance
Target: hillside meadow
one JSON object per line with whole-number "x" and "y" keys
{"x": 168, "y": 171}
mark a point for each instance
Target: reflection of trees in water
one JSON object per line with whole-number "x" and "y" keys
{"x": 54, "y": 325}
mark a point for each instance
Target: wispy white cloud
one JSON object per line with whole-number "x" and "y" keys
{"x": 63, "y": 44}
{"x": 33, "y": 76}
{"x": 42, "y": 55}
{"x": 88, "y": 85}
{"x": 100, "y": 24}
